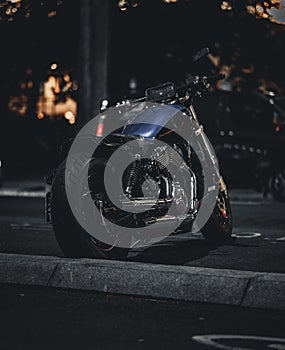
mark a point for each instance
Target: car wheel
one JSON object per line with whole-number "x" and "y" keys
{"x": 277, "y": 186}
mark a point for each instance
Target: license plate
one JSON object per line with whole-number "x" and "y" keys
{"x": 48, "y": 207}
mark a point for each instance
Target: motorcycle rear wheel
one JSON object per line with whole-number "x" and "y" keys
{"x": 72, "y": 239}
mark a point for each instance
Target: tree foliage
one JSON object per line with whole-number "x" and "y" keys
{"x": 257, "y": 8}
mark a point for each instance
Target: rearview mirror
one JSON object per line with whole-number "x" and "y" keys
{"x": 200, "y": 54}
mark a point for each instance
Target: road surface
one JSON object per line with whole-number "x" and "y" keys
{"x": 49, "y": 319}
{"x": 259, "y": 244}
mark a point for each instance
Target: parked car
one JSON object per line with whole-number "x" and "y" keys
{"x": 1, "y": 161}
{"x": 1, "y": 174}
{"x": 247, "y": 130}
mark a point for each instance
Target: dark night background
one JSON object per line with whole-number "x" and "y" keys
{"x": 59, "y": 60}
{"x": 148, "y": 43}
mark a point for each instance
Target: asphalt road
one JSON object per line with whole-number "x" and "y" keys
{"x": 50, "y": 319}
{"x": 259, "y": 244}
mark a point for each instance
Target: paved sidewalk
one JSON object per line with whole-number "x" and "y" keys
{"x": 249, "y": 196}
{"x": 35, "y": 188}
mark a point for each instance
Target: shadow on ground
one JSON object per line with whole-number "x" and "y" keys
{"x": 175, "y": 252}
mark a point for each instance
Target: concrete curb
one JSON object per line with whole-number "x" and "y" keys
{"x": 184, "y": 283}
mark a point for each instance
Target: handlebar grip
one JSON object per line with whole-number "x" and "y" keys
{"x": 216, "y": 77}
{"x": 200, "y": 54}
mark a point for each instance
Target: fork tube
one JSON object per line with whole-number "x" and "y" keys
{"x": 200, "y": 132}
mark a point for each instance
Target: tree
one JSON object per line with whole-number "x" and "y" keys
{"x": 93, "y": 57}
{"x": 258, "y": 8}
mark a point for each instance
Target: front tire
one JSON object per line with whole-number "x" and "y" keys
{"x": 219, "y": 227}
{"x": 277, "y": 186}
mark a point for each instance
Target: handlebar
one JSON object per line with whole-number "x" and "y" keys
{"x": 216, "y": 77}
{"x": 195, "y": 82}
{"x": 194, "y": 85}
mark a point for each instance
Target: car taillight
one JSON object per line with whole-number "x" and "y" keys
{"x": 276, "y": 123}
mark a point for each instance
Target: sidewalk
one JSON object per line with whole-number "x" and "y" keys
{"x": 248, "y": 196}
{"x": 34, "y": 188}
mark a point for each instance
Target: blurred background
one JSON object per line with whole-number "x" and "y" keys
{"x": 59, "y": 60}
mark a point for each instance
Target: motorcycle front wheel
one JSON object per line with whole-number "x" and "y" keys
{"x": 219, "y": 227}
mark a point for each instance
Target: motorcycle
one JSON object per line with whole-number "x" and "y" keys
{"x": 102, "y": 205}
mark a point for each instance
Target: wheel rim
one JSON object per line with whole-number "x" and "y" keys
{"x": 224, "y": 214}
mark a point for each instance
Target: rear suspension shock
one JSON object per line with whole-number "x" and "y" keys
{"x": 133, "y": 175}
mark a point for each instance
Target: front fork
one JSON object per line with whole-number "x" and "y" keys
{"x": 223, "y": 186}
{"x": 199, "y": 132}
{"x": 223, "y": 192}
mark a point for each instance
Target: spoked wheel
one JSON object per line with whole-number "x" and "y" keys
{"x": 277, "y": 186}
{"x": 219, "y": 227}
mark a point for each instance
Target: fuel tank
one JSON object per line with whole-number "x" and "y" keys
{"x": 149, "y": 122}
